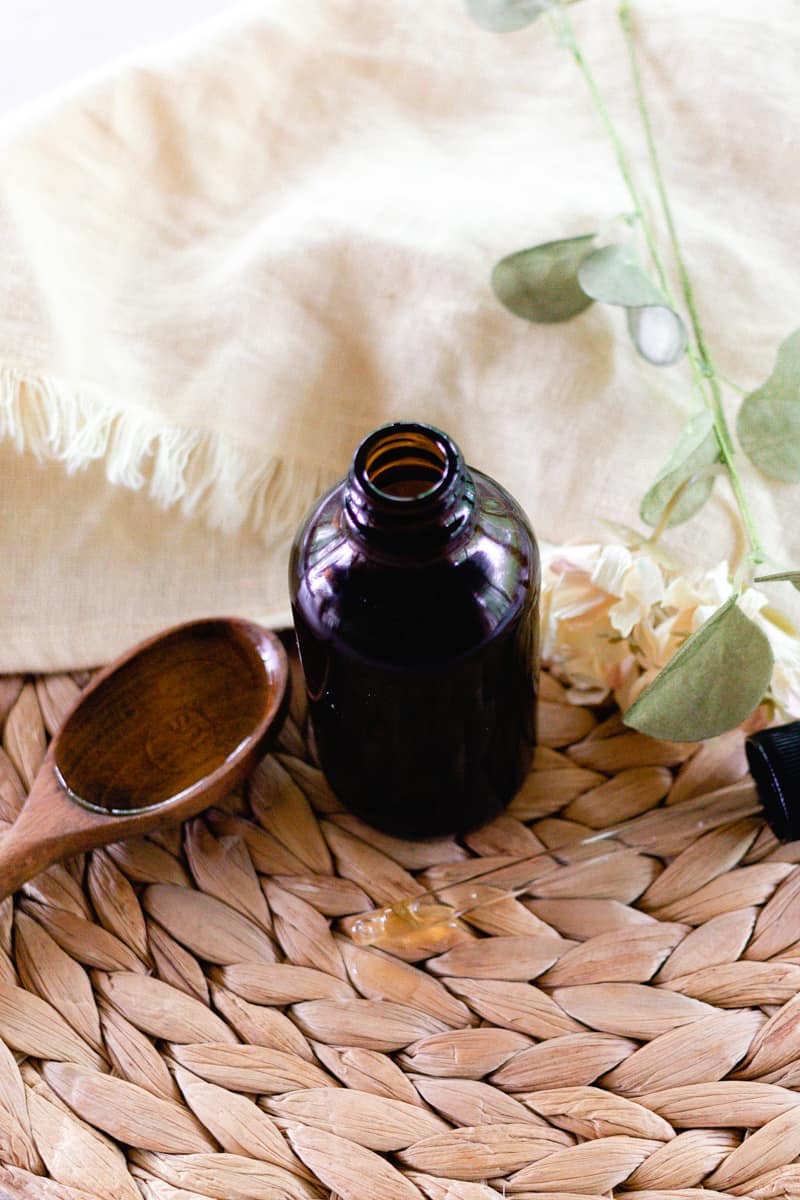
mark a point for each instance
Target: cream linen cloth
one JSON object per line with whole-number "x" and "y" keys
{"x": 225, "y": 261}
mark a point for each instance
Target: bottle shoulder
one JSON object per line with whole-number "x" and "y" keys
{"x": 399, "y": 607}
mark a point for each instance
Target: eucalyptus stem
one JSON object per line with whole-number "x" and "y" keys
{"x": 702, "y": 365}
{"x": 706, "y": 365}
{"x": 735, "y": 387}
{"x": 686, "y": 285}
{"x": 567, "y": 35}
{"x": 569, "y": 40}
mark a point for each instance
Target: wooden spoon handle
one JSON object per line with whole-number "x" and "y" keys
{"x": 40, "y": 835}
{"x": 21, "y": 857}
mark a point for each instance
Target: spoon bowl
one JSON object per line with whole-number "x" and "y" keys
{"x": 165, "y": 731}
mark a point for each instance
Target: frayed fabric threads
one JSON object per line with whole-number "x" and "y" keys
{"x": 229, "y": 486}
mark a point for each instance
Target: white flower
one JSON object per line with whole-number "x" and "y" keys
{"x": 751, "y": 603}
{"x": 642, "y": 587}
{"x": 785, "y": 687}
{"x": 710, "y": 588}
{"x": 613, "y": 618}
{"x": 611, "y": 567}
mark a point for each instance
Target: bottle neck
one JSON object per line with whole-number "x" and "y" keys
{"x": 408, "y": 492}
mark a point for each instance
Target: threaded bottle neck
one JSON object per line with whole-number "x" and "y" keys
{"x": 408, "y": 491}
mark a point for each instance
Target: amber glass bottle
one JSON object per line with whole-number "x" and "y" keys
{"x": 414, "y": 586}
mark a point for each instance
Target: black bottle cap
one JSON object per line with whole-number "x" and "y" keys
{"x": 773, "y": 756}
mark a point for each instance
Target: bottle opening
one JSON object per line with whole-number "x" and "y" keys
{"x": 405, "y": 462}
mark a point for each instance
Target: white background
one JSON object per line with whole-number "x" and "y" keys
{"x": 47, "y": 44}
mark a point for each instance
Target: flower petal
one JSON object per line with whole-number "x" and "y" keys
{"x": 612, "y": 565}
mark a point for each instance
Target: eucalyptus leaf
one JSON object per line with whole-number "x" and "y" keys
{"x": 716, "y": 679}
{"x": 792, "y": 577}
{"x": 541, "y": 283}
{"x": 695, "y": 450}
{"x": 633, "y": 538}
{"x": 769, "y": 419}
{"x": 506, "y": 16}
{"x": 658, "y": 334}
{"x": 624, "y": 533}
{"x": 613, "y": 276}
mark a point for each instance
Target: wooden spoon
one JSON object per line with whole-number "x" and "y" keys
{"x": 168, "y": 729}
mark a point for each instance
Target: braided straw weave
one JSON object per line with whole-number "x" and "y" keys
{"x": 182, "y": 1017}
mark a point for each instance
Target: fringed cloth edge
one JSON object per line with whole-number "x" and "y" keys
{"x": 228, "y": 485}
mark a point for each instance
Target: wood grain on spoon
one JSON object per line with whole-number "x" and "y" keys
{"x": 159, "y": 735}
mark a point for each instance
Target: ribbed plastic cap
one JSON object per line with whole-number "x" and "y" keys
{"x": 773, "y": 756}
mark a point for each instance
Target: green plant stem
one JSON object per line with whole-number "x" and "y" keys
{"x": 566, "y": 33}
{"x": 735, "y": 387}
{"x": 706, "y": 365}
{"x": 702, "y": 365}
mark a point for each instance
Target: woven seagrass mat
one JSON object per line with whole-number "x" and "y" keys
{"x": 182, "y": 1017}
